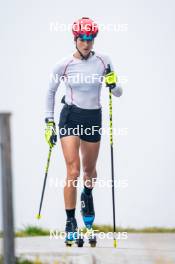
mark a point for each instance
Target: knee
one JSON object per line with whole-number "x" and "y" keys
{"x": 74, "y": 174}
{"x": 73, "y": 171}
{"x": 89, "y": 172}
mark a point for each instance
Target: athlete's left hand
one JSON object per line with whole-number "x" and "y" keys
{"x": 111, "y": 79}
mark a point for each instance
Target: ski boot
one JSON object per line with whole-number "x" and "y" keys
{"x": 72, "y": 233}
{"x": 88, "y": 214}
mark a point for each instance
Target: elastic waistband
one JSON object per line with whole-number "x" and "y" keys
{"x": 76, "y": 109}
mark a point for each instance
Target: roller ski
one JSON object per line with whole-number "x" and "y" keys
{"x": 72, "y": 234}
{"x": 88, "y": 214}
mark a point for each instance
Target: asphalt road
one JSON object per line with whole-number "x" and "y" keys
{"x": 136, "y": 249}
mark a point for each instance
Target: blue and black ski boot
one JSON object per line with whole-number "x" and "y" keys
{"x": 72, "y": 233}
{"x": 88, "y": 214}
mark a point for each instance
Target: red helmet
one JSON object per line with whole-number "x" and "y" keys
{"x": 85, "y": 28}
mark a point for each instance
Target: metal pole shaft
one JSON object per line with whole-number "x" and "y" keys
{"x": 44, "y": 184}
{"x": 112, "y": 159}
{"x": 7, "y": 195}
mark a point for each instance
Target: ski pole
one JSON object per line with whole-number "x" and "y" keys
{"x": 108, "y": 70}
{"x": 38, "y": 216}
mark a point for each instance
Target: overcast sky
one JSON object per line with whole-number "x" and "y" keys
{"x": 142, "y": 51}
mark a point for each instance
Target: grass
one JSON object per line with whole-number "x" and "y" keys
{"x": 18, "y": 261}
{"x": 23, "y": 261}
{"x": 108, "y": 228}
{"x": 32, "y": 231}
{"x": 29, "y": 231}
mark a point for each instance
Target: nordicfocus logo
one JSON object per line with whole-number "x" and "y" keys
{"x": 93, "y": 182}
{"x": 79, "y": 130}
{"x": 55, "y": 234}
{"x": 83, "y": 79}
{"x": 56, "y": 26}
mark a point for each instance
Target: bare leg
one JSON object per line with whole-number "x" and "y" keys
{"x": 70, "y": 146}
{"x": 89, "y": 151}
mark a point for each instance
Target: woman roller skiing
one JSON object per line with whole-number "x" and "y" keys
{"x": 82, "y": 109}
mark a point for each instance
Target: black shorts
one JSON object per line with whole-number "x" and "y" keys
{"x": 85, "y": 123}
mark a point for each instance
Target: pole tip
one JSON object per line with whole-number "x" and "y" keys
{"x": 38, "y": 216}
{"x": 115, "y": 243}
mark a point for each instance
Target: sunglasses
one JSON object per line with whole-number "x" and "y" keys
{"x": 85, "y": 37}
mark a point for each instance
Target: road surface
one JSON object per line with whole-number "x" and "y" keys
{"x": 136, "y": 249}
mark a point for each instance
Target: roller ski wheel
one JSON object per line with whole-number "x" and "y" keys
{"x": 91, "y": 237}
{"x": 79, "y": 242}
{"x": 71, "y": 231}
{"x": 93, "y": 241}
{"x": 69, "y": 243}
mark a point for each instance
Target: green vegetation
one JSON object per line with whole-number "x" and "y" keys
{"x": 108, "y": 228}
{"x": 32, "y": 231}
{"x": 36, "y": 231}
{"x": 18, "y": 261}
{"x": 28, "y": 231}
{"x": 23, "y": 261}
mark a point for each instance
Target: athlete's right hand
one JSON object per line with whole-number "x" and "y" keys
{"x": 50, "y": 132}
